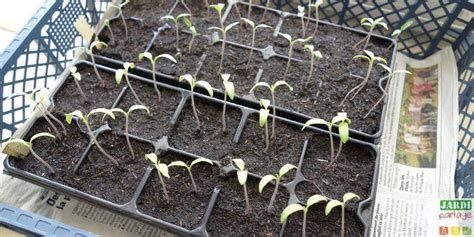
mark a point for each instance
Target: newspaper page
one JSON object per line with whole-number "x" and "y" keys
{"x": 418, "y": 147}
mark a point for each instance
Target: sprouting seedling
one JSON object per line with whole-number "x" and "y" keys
{"x": 301, "y": 16}
{"x": 343, "y": 126}
{"x": 315, "y": 54}
{"x": 162, "y": 170}
{"x": 396, "y": 33}
{"x": 175, "y": 21}
{"x": 77, "y": 78}
{"x": 316, "y": 6}
{"x": 292, "y": 208}
{"x": 153, "y": 61}
{"x": 335, "y": 203}
{"x": 127, "y": 118}
{"x": 192, "y": 84}
{"x": 219, "y": 7}
{"x": 390, "y": 75}
{"x": 229, "y": 91}
{"x": 107, "y": 24}
{"x": 272, "y": 89}
{"x": 120, "y": 73}
{"x": 38, "y": 100}
{"x": 242, "y": 177}
{"x": 224, "y": 32}
{"x": 120, "y": 13}
{"x": 95, "y": 44}
{"x": 85, "y": 119}
{"x": 371, "y": 23}
{"x": 254, "y": 29}
{"x": 290, "y": 52}
{"x": 29, "y": 145}
{"x": 267, "y": 178}
{"x": 267, "y": 5}
{"x": 371, "y": 58}
{"x": 194, "y": 33}
{"x": 189, "y": 168}
{"x": 263, "y": 119}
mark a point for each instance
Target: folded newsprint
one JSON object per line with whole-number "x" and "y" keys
{"x": 418, "y": 149}
{"x": 418, "y": 154}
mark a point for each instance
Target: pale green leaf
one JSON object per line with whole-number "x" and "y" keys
{"x": 300, "y": 11}
{"x": 167, "y": 56}
{"x": 168, "y": 17}
{"x": 396, "y": 32}
{"x": 263, "y": 26}
{"x": 73, "y": 69}
{"x": 406, "y": 25}
{"x": 97, "y": 44}
{"x": 216, "y": 28}
{"x": 344, "y": 131}
{"x": 292, "y": 208}
{"x": 117, "y": 110}
{"x": 146, "y": 55}
{"x": 229, "y": 88}
{"x": 104, "y": 111}
{"x": 178, "y": 163}
{"x": 41, "y": 134}
{"x": 349, "y": 196}
{"x": 250, "y": 22}
{"x": 282, "y": 83}
{"x": 18, "y": 141}
{"x": 341, "y": 116}
{"x": 163, "y": 169}
{"x": 286, "y": 36}
{"x": 183, "y": 15}
{"x": 309, "y": 47}
{"x": 264, "y": 181}
{"x": 264, "y": 103}
{"x": 187, "y": 22}
{"x": 201, "y": 160}
{"x": 302, "y": 40}
{"x": 128, "y": 65}
{"x": 332, "y": 204}
{"x": 152, "y": 157}
{"x": 41, "y": 95}
{"x": 76, "y": 113}
{"x": 369, "y": 53}
{"x": 207, "y": 86}
{"x": 402, "y": 71}
{"x": 225, "y": 77}
{"x": 315, "y": 199}
{"x": 263, "y": 117}
{"x": 218, "y": 7}
{"x": 385, "y": 67}
{"x": 362, "y": 57}
{"x": 230, "y": 26}
{"x": 384, "y": 25}
{"x": 314, "y": 121}
{"x": 242, "y": 176}
{"x": 264, "y": 84}
{"x": 77, "y": 76}
{"x": 285, "y": 169}
{"x": 380, "y": 59}
{"x": 239, "y": 163}
{"x": 119, "y": 75}
{"x": 138, "y": 107}
{"x": 188, "y": 78}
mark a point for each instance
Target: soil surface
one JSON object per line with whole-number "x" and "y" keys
{"x": 285, "y": 149}
{"x": 210, "y": 141}
{"x": 353, "y": 171}
{"x": 228, "y": 216}
{"x": 318, "y": 224}
{"x": 186, "y": 207}
{"x": 155, "y": 125}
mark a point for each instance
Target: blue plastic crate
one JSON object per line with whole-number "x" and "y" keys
{"x": 39, "y": 53}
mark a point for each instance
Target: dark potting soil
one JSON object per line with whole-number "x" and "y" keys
{"x": 153, "y": 126}
{"x": 352, "y": 172}
{"x": 186, "y": 207}
{"x": 318, "y": 224}
{"x": 210, "y": 141}
{"x": 100, "y": 177}
{"x": 187, "y": 61}
{"x": 286, "y": 149}
{"x": 235, "y": 64}
{"x": 68, "y": 98}
{"x": 62, "y": 154}
{"x": 150, "y": 11}
{"x": 139, "y": 35}
{"x": 228, "y": 216}
{"x": 333, "y": 71}
{"x": 243, "y": 34}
